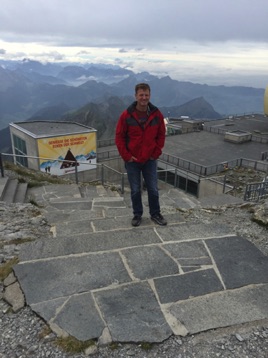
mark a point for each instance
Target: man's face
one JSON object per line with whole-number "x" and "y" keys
{"x": 142, "y": 98}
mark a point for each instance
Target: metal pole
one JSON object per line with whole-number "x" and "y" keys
{"x": 122, "y": 183}
{"x": 102, "y": 174}
{"x": 1, "y": 166}
{"x": 224, "y": 184}
{"x": 76, "y": 174}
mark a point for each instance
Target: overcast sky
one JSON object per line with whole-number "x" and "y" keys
{"x": 203, "y": 41}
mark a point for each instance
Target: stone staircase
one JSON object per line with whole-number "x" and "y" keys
{"x": 12, "y": 191}
{"x": 97, "y": 277}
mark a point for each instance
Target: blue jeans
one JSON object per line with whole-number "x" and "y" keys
{"x": 149, "y": 173}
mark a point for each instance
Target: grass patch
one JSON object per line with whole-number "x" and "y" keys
{"x": 45, "y": 332}
{"x": 146, "y": 346}
{"x": 32, "y": 177}
{"x": 73, "y": 345}
{"x": 15, "y": 242}
{"x": 33, "y": 202}
{"x": 7, "y": 267}
{"x": 114, "y": 345}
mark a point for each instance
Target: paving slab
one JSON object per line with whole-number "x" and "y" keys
{"x": 192, "y": 231}
{"x": 148, "y": 262}
{"x": 74, "y": 204}
{"x": 48, "y": 309}
{"x": 97, "y": 242}
{"x": 189, "y": 254}
{"x": 185, "y": 286}
{"x": 72, "y": 228}
{"x": 133, "y": 314}
{"x": 72, "y": 215}
{"x": 239, "y": 261}
{"x": 70, "y": 275}
{"x": 222, "y": 309}
{"x": 80, "y": 318}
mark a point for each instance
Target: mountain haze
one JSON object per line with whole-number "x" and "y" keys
{"x": 103, "y": 115}
{"x": 27, "y": 87}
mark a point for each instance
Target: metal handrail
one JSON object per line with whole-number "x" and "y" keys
{"x": 102, "y": 166}
{"x": 189, "y": 168}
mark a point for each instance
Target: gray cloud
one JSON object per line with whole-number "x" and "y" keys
{"x": 133, "y": 22}
{"x": 199, "y": 40}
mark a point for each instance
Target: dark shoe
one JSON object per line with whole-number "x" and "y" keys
{"x": 136, "y": 221}
{"x": 158, "y": 218}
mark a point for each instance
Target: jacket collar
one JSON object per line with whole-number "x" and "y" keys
{"x": 151, "y": 108}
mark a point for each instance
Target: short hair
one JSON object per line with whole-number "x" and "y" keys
{"x": 143, "y": 86}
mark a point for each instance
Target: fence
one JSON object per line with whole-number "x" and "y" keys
{"x": 256, "y": 191}
{"x": 103, "y": 173}
{"x": 177, "y": 174}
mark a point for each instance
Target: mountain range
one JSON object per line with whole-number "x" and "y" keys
{"x": 96, "y": 94}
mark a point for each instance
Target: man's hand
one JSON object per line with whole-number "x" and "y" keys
{"x": 133, "y": 159}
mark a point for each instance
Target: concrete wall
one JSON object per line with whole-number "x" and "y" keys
{"x": 210, "y": 187}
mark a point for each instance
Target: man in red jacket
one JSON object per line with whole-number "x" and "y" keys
{"x": 140, "y": 137}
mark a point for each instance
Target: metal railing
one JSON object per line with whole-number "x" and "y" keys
{"x": 181, "y": 168}
{"x": 256, "y": 191}
{"x": 104, "y": 173}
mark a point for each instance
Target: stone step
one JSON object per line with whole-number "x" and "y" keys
{"x": 11, "y": 191}
{"x": 3, "y": 183}
{"x": 21, "y": 193}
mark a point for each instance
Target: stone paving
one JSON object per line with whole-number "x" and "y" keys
{"x": 96, "y": 277}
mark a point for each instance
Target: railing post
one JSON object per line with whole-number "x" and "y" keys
{"x": 76, "y": 173}
{"x": 102, "y": 174}
{"x": 175, "y": 178}
{"x": 122, "y": 183}
{"x": 224, "y": 184}
{"x": 1, "y": 166}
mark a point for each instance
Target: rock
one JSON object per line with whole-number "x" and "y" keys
{"x": 91, "y": 350}
{"x": 14, "y": 296}
{"x": 239, "y": 338}
{"x": 105, "y": 338}
{"x": 261, "y": 214}
{"x": 10, "y": 279}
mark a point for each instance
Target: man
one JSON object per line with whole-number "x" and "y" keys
{"x": 140, "y": 137}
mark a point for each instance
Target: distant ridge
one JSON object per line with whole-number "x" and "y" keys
{"x": 197, "y": 108}
{"x": 27, "y": 87}
{"x": 104, "y": 115}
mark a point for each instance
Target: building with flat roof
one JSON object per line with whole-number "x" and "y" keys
{"x": 54, "y": 147}
{"x": 209, "y": 147}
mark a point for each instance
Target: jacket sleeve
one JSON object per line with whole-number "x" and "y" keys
{"x": 160, "y": 139}
{"x": 121, "y": 137}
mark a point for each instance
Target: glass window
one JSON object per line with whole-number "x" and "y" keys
{"x": 20, "y": 149}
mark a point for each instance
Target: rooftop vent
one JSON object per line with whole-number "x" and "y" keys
{"x": 237, "y": 136}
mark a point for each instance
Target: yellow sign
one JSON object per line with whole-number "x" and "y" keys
{"x": 61, "y": 155}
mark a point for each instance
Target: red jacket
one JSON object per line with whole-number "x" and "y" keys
{"x": 132, "y": 139}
